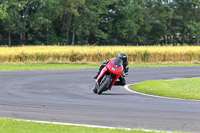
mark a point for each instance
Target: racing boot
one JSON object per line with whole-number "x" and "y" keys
{"x": 121, "y": 81}
{"x": 95, "y": 77}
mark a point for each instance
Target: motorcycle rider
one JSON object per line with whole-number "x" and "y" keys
{"x": 122, "y": 80}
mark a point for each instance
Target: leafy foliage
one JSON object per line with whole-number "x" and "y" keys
{"x": 94, "y": 22}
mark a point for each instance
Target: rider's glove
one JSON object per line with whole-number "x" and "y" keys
{"x": 124, "y": 74}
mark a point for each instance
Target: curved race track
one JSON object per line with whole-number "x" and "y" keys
{"x": 66, "y": 96}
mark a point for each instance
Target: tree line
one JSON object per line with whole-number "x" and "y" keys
{"x": 99, "y": 22}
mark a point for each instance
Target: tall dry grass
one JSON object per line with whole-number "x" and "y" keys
{"x": 96, "y": 54}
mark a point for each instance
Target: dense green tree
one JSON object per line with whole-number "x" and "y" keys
{"x": 43, "y": 15}
{"x": 93, "y": 22}
{"x": 193, "y": 26}
{"x": 125, "y": 20}
{"x": 10, "y": 18}
{"x": 105, "y": 22}
{"x": 3, "y": 15}
{"x": 68, "y": 13}
{"x": 3, "y": 12}
{"x": 185, "y": 13}
{"x": 194, "y": 29}
{"x": 161, "y": 22}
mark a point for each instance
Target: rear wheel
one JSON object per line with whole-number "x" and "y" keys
{"x": 104, "y": 86}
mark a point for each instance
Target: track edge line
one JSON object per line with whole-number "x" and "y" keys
{"x": 149, "y": 95}
{"x": 92, "y": 126}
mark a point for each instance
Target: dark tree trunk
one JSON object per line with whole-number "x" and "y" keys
{"x": 197, "y": 41}
{"x": 9, "y": 39}
{"x": 24, "y": 23}
{"x": 24, "y": 37}
{"x": 165, "y": 40}
{"x": 48, "y": 39}
{"x": 23, "y": 34}
{"x": 183, "y": 38}
{"x": 68, "y": 28}
{"x": 86, "y": 42}
{"x": 21, "y": 42}
{"x": 73, "y": 35}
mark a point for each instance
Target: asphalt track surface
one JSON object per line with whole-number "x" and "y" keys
{"x": 66, "y": 96}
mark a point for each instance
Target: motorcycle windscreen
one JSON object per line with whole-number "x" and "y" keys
{"x": 118, "y": 62}
{"x": 115, "y": 66}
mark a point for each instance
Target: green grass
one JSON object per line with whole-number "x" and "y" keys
{"x": 11, "y": 67}
{"x": 162, "y": 65}
{"x": 181, "y": 88}
{"x": 15, "y": 126}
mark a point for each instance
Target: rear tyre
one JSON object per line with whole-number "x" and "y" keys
{"x": 104, "y": 86}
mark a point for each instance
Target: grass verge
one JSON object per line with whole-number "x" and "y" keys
{"x": 16, "y": 126}
{"x": 11, "y": 67}
{"x": 180, "y": 88}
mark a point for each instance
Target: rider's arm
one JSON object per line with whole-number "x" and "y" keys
{"x": 105, "y": 63}
{"x": 126, "y": 67}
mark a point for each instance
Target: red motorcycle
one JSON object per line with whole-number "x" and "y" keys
{"x": 108, "y": 76}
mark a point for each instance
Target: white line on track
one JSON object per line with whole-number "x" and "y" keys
{"x": 128, "y": 89}
{"x": 92, "y": 126}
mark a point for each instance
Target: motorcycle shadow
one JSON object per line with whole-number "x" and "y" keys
{"x": 117, "y": 94}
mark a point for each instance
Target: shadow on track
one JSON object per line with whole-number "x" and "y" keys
{"x": 118, "y": 94}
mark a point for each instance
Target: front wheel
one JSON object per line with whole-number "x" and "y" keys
{"x": 104, "y": 85}
{"x": 95, "y": 90}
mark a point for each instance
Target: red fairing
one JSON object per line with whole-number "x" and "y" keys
{"x": 113, "y": 69}
{"x": 103, "y": 71}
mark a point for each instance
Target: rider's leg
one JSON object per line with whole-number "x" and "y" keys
{"x": 122, "y": 81}
{"x": 98, "y": 72}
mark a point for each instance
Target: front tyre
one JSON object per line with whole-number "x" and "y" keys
{"x": 95, "y": 90}
{"x": 104, "y": 86}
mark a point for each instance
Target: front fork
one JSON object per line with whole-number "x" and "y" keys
{"x": 103, "y": 71}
